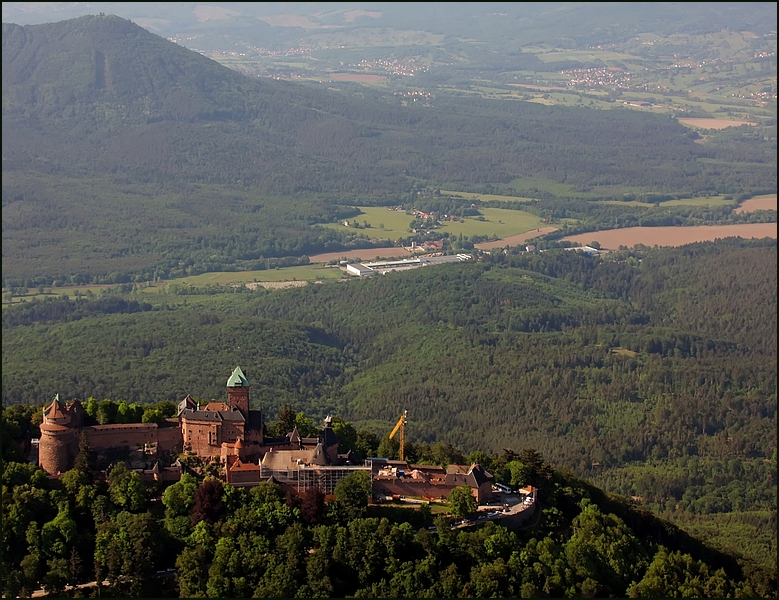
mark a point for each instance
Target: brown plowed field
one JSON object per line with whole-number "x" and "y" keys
{"x": 757, "y": 204}
{"x": 612, "y": 239}
{"x": 515, "y": 240}
{"x": 714, "y": 123}
{"x": 365, "y": 254}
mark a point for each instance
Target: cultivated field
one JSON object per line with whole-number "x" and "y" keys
{"x": 515, "y": 240}
{"x": 759, "y": 203}
{"x": 612, "y": 239}
{"x": 713, "y": 123}
{"x": 363, "y": 254}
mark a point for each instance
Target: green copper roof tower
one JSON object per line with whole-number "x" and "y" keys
{"x": 238, "y": 391}
{"x": 237, "y": 379}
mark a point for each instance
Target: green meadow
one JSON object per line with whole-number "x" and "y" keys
{"x": 312, "y": 272}
{"x": 297, "y": 273}
{"x": 485, "y": 197}
{"x": 697, "y": 201}
{"x": 500, "y": 222}
{"x": 384, "y": 224}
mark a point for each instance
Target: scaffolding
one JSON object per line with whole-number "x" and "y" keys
{"x": 306, "y": 477}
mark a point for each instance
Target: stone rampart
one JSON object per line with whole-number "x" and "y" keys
{"x": 130, "y": 435}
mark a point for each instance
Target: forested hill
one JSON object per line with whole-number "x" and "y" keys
{"x": 102, "y": 95}
{"x": 201, "y": 538}
{"x": 652, "y": 372}
{"x": 590, "y": 360}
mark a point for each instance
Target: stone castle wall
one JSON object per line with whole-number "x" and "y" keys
{"x": 231, "y": 431}
{"x": 130, "y": 435}
{"x": 202, "y": 438}
{"x": 169, "y": 438}
{"x": 58, "y": 445}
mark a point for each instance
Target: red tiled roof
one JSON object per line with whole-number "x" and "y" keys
{"x": 56, "y": 409}
{"x": 241, "y": 466}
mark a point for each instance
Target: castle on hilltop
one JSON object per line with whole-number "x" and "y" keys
{"x": 233, "y": 433}
{"x": 230, "y": 431}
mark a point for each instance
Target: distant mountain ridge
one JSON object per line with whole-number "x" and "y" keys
{"x": 502, "y": 25}
{"x": 102, "y": 94}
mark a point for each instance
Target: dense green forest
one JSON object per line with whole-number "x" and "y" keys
{"x": 202, "y": 538}
{"x": 127, "y": 156}
{"x": 652, "y": 373}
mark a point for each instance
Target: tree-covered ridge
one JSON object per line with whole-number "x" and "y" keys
{"x": 291, "y": 359}
{"x": 220, "y": 541}
{"x": 77, "y": 231}
{"x": 609, "y": 352}
{"x": 624, "y": 368}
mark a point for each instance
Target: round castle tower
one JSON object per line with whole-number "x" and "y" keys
{"x": 58, "y": 444}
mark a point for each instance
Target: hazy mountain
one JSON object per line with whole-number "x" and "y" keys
{"x": 102, "y": 94}
{"x": 503, "y": 25}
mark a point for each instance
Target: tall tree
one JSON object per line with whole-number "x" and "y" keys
{"x": 208, "y": 504}
{"x": 126, "y": 488}
{"x": 353, "y": 493}
{"x": 462, "y": 502}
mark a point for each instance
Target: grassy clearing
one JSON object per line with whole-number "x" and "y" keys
{"x": 700, "y": 201}
{"x": 301, "y": 273}
{"x": 624, "y": 352}
{"x": 395, "y": 223}
{"x": 496, "y": 221}
{"x": 697, "y": 201}
{"x": 436, "y": 508}
{"x": 581, "y": 55}
{"x": 533, "y": 185}
{"x": 500, "y": 222}
{"x": 49, "y": 292}
{"x": 486, "y": 197}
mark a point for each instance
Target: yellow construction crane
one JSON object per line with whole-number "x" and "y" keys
{"x": 401, "y": 424}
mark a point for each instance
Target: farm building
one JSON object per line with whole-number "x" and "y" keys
{"x": 359, "y": 270}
